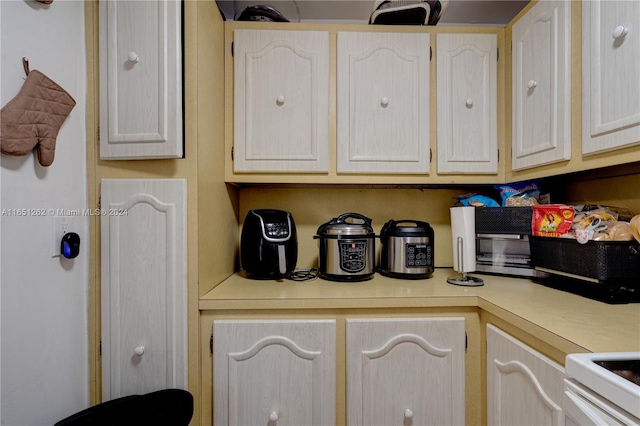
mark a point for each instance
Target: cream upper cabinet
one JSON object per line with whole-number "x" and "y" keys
{"x": 383, "y": 103}
{"x": 274, "y": 372}
{"x": 467, "y": 103}
{"x": 541, "y": 55}
{"x": 281, "y": 101}
{"x": 141, "y": 79}
{"x": 524, "y": 387}
{"x": 407, "y": 371}
{"x": 144, "y": 285}
{"x": 610, "y": 75}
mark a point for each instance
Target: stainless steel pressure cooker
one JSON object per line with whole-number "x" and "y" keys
{"x": 407, "y": 249}
{"x": 347, "y": 248}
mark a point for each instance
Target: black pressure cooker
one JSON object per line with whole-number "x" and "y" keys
{"x": 347, "y": 248}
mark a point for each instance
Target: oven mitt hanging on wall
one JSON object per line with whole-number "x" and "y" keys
{"x": 33, "y": 118}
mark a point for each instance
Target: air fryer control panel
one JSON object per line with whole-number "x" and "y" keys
{"x": 353, "y": 255}
{"x": 276, "y": 230}
{"x": 418, "y": 255}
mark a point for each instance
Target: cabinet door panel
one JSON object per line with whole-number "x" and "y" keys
{"x": 143, "y": 286}
{"x": 541, "y": 85}
{"x": 401, "y": 370}
{"x": 383, "y": 103}
{"x": 467, "y": 103}
{"x": 611, "y": 70}
{"x": 266, "y": 370}
{"x": 281, "y": 101}
{"x": 523, "y": 386}
{"x": 140, "y": 79}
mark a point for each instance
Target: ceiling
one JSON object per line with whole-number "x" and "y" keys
{"x": 458, "y": 12}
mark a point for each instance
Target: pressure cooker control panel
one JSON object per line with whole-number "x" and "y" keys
{"x": 418, "y": 255}
{"x": 353, "y": 255}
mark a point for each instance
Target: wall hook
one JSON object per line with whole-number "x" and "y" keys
{"x": 25, "y": 64}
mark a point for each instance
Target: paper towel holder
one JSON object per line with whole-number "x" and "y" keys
{"x": 464, "y": 279}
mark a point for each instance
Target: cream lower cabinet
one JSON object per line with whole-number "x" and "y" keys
{"x": 541, "y": 68}
{"x": 281, "y": 101}
{"x": 405, "y": 371}
{"x": 467, "y": 103}
{"x": 524, "y": 387}
{"x": 383, "y": 103}
{"x": 273, "y": 372}
{"x": 610, "y": 75}
{"x": 144, "y": 285}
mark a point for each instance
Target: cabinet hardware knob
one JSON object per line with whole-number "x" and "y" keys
{"x": 133, "y": 57}
{"x": 469, "y": 103}
{"x": 532, "y": 84}
{"x": 620, "y": 31}
{"x": 273, "y": 417}
{"x": 384, "y": 101}
{"x": 139, "y": 350}
{"x": 408, "y": 414}
{"x": 280, "y": 100}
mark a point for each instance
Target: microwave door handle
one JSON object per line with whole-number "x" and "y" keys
{"x": 500, "y": 236}
{"x": 282, "y": 259}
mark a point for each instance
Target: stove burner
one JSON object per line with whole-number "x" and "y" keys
{"x": 627, "y": 369}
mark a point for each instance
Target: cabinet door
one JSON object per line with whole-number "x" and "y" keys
{"x": 524, "y": 387}
{"x": 281, "y": 116}
{"x": 542, "y": 85}
{"x": 610, "y": 75}
{"x": 144, "y": 282}
{"x": 383, "y": 103}
{"x": 406, "y": 371}
{"x": 140, "y": 79}
{"x": 467, "y": 103}
{"x": 274, "y": 371}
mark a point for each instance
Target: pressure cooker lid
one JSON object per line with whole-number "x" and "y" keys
{"x": 406, "y": 228}
{"x": 347, "y": 224}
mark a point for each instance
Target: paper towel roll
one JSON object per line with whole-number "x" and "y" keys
{"x": 463, "y": 233}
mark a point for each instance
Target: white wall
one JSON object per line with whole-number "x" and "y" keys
{"x": 44, "y": 343}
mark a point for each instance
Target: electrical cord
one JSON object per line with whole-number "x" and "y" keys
{"x": 303, "y": 274}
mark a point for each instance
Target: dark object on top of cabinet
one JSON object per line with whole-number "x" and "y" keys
{"x": 403, "y": 12}
{"x": 260, "y": 13}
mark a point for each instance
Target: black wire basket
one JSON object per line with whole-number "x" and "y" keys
{"x": 604, "y": 261}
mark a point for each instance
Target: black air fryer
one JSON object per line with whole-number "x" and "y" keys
{"x": 268, "y": 245}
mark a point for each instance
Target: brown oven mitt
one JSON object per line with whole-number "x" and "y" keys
{"x": 33, "y": 118}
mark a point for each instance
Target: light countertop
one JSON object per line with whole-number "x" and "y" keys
{"x": 569, "y": 320}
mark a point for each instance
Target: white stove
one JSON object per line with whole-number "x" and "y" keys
{"x": 603, "y": 389}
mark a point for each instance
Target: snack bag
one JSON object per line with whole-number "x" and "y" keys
{"x": 519, "y": 194}
{"x": 551, "y": 220}
{"x": 594, "y": 225}
{"x": 476, "y": 200}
